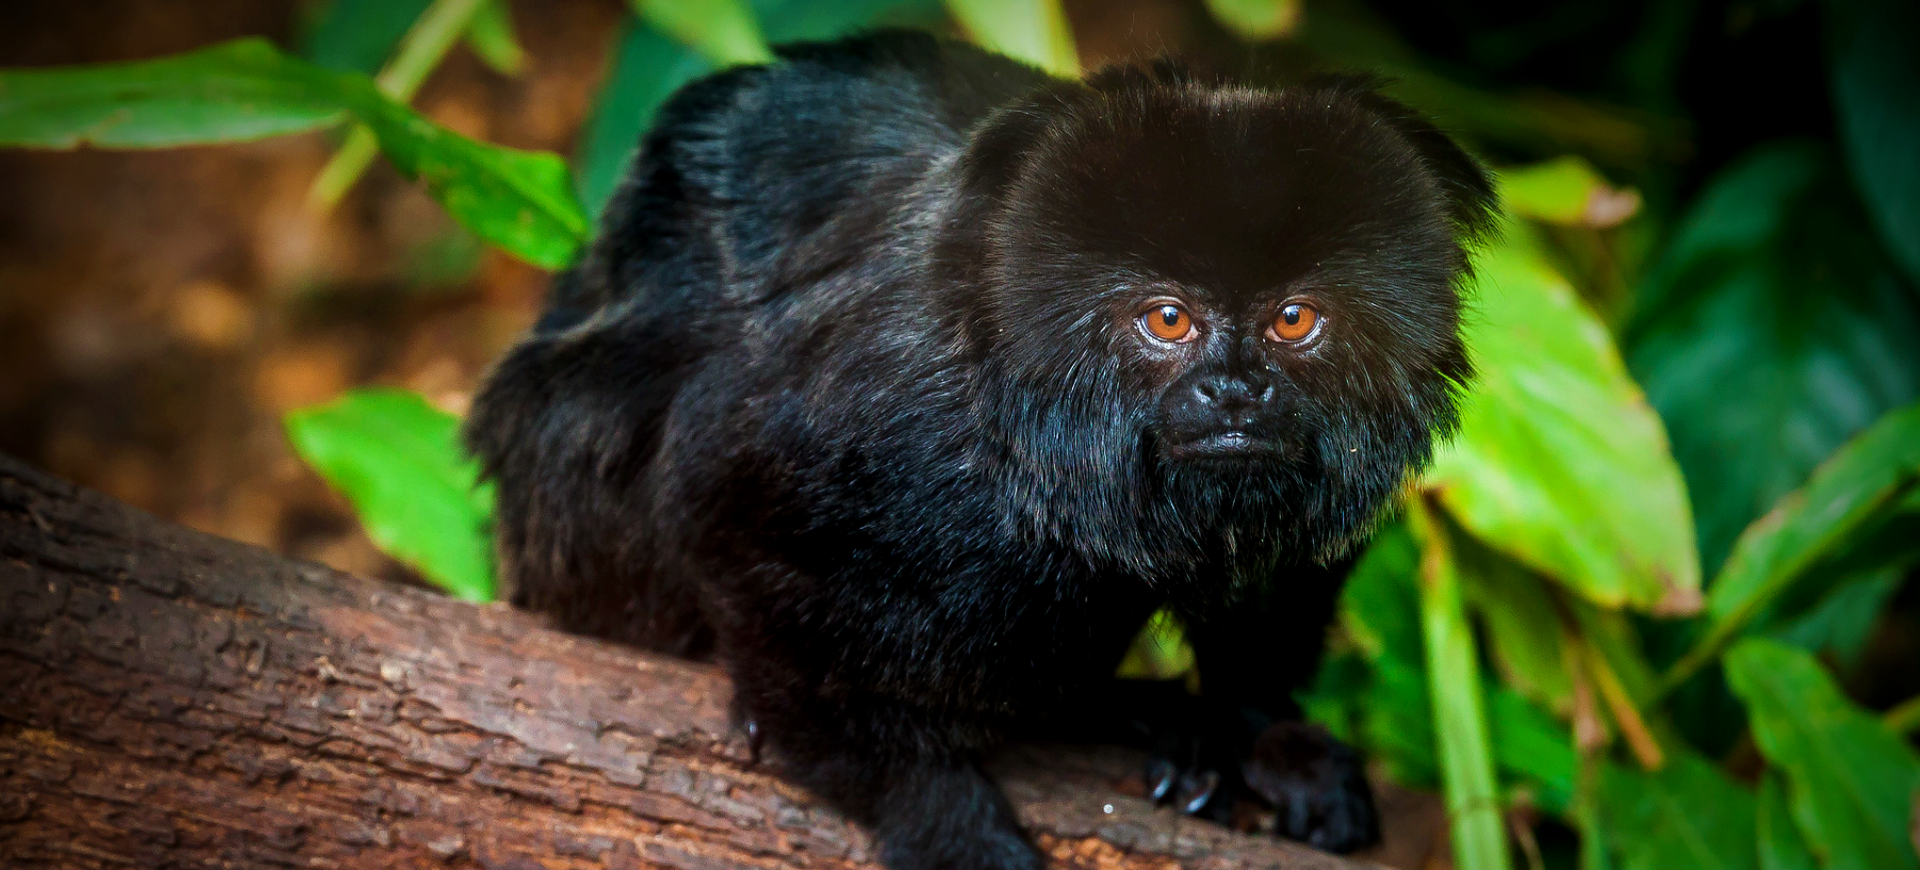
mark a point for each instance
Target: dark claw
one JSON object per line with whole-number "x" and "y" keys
{"x": 755, "y": 740}
{"x": 1197, "y": 790}
{"x": 1160, "y": 776}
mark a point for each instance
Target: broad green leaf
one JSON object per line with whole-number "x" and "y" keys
{"x": 1686, "y": 816}
{"x": 1850, "y": 780}
{"x": 1396, "y": 723}
{"x": 1567, "y": 191}
{"x": 359, "y": 35}
{"x": 649, "y": 66}
{"x": 1459, "y": 711}
{"x": 1841, "y": 623}
{"x": 1876, "y": 99}
{"x": 519, "y": 200}
{"x": 1333, "y": 699}
{"x": 1257, "y": 19}
{"x": 725, "y": 32}
{"x": 1378, "y": 606}
{"x": 1032, "y": 31}
{"x": 1754, "y": 393}
{"x": 491, "y": 37}
{"x": 1559, "y": 462}
{"x": 233, "y": 92}
{"x": 399, "y": 461}
{"x": 1859, "y": 487}
{"x": 1781, "y": 846}
{"x": 1524, "y": 634}
{"x": 1533, "y": 747}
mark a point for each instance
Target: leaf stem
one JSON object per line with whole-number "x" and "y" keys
{"x": 1459, "y": 708}
{"x": 1729, "y": 628}
{"x": 422, "y": 49}
{"x": 1633, "y": 727}
{"x": 1904, "y": 718}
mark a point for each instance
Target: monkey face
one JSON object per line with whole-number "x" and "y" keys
{"x": 1251, "y": 296}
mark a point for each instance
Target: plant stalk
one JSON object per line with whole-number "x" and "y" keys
{"x": 1459, "y": 708}
{"x": 422, "y": 49}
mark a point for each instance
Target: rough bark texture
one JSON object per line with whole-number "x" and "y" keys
{"x": 171, "y": 698}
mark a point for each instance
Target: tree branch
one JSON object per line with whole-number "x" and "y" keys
{"x": 167, "y": 697}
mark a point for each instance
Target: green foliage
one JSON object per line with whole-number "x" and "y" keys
{"x": 1753, "y": 393}
{"x": 1160, "y": 652}
{"x": 358, "y": 35}
{"x": 492, "y": 38}
{"x": 1034, "y": 31}
{"x": 1559, "y": 461}
{"x": 649, "y": 65}
{"x": 1781, "y": 846}
{"x": 725, "y": 32}
{"x": 1687, "y": 815}
{"x": 247, "y": 89}
{"x": 1876, "y": 94}
{"x": 399, "y": 461}
{"x": 1850, "y": 780}
{"x": 1257, "y": 19}
{"x": 1862, "y": 487}
{"x": 1453, "y": 680}
{"x": 232, "y": 92}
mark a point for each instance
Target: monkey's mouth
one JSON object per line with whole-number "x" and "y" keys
{"x": 1230, "y": 444}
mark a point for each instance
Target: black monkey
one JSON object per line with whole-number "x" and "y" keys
{"x": 909, "y": 381}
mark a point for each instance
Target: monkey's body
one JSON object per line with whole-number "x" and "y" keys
{"x": 779, "y": 411}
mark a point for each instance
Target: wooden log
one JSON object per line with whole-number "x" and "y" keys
{"x": 168, "y": 698}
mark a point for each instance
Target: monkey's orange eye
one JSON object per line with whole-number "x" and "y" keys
{"x": 1295, "y": 322}
{"x": 1167, "y": 322}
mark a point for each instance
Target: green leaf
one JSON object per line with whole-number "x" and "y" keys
{"x": 1753, "y": 393}
{"x": 1257, "y": 20}
{"x": 1687, "y": 815}
{"x": 650, "y": 65}
{"x": 725, "y": 32}
{"x": 1159, "y": 652}
{"x": 1876, "y": 99}
{"x": 491, "y": 37}
{"x": 1567, "y": 191}
{"x": 400, "y": 462}
{"x": 1863, "y": 484}
{"x": 359, "y": 35}
{"x": 1378, "y": 606}
{"x": 1032, "y": 31}
{"x": 1781, "y": 846}
{"x": 1524, "y": 634}
{"x": 1841, "y": 623}
{"x": 1559, "y": 462}
{"x": 233, "y": 92}
{"x": 1459, "y": 713}
{"x": 519, "y": 200}
{"x": 1850, "y": 780}
{"x": 1532, "y": 746}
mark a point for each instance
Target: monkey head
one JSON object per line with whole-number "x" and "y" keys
{"x": 1214, "y": 317}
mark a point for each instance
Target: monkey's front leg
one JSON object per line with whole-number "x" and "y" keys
{"x": 928, "y": 805}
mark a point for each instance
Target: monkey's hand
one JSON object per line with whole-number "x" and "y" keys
{"x": 1316, "y": 784}
{"x": 1206, "y": 757}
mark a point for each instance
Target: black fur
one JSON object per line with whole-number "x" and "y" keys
{"x": 851, "y": 392}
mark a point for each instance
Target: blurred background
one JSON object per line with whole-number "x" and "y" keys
{"x": 1726, "y": 194}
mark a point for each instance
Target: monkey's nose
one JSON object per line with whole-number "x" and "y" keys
{"x": 1235, "y": 398}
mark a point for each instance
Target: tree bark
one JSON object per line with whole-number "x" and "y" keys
{"x": 172, "y": 698}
